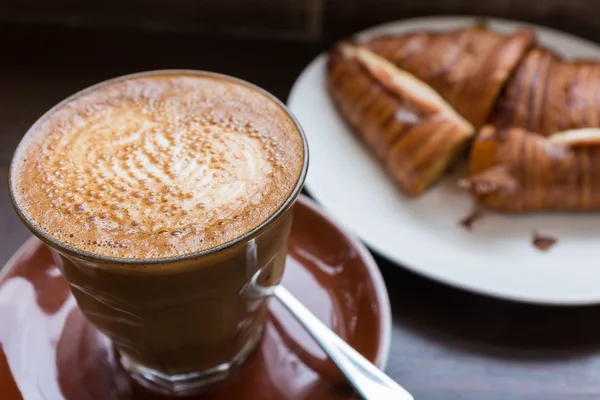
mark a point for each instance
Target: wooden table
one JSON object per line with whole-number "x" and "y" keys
{"x": 447, "y": 344}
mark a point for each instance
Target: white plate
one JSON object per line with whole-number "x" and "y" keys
{"x": 423, "y": 234}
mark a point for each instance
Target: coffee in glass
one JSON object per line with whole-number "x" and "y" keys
{"x": 166, "y": 197}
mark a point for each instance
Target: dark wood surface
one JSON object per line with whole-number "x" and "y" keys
{"x": 446, "y": 345}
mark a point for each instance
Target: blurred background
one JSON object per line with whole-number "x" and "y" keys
{"x": 310, "y": 20}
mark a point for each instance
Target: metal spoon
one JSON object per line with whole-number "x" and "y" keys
{"x": 368, "y": 380}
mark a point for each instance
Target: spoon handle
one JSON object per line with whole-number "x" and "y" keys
{"x": 368, "y": 380}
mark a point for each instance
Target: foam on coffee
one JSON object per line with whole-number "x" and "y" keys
{"x": 158, "y": 165}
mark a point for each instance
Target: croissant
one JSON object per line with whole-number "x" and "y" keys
{"x": 548, "y": 95}
{"x": 468, "y": 67}
{"x": 402, "y": 120}
{"x": 516, "y": 170}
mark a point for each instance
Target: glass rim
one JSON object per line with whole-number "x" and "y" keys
{"x": 101, "y": 259}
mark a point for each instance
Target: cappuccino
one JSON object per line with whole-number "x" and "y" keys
{"x": 157, "y": 166}
{"x": 166, "y": 198}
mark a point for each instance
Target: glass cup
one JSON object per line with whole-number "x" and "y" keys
{"x": 182, "y": 323}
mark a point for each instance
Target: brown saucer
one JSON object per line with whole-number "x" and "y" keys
{"x": 49, "y": 351}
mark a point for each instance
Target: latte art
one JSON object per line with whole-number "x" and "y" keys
{"x": 158, "y": 166}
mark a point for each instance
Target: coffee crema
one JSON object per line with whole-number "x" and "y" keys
{"x": 156, "y": 166}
